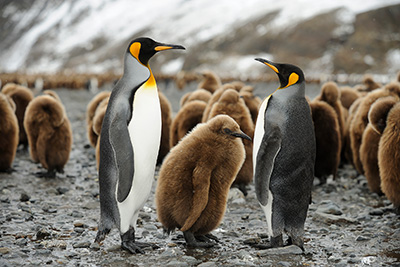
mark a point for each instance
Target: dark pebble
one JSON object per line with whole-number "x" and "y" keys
{"x": 62, "y": 190}
{"x": 24, "y": 197}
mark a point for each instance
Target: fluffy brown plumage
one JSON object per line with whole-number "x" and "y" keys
{"x": 330, "y": 93}
{"x": 195, "y": 178}
{"x": 198, "y": 94}
{"x": 358, "y": 124}
{"x": 98, "y": 123}
{"x": 230, "y": 103}
{"x": 369, "y": 145}
{"x": 21, "y": 96}
{"x": 49, "y": 132}
{"x": 389, "y": 158}
{"x": 166, "y": 117}
{"x": 186, "y": 119}
{"x": 8, "y": 133}
{"x": 347, "y": 96}
{"x": 252, "y": 102}
{"x": 328, "y": 141}
{"x": 210, "y": 82}
{"x": 90, "y": 111}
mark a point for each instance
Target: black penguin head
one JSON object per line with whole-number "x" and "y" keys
{"x": 144, "y": 48}
{"x": 288, "y": 74}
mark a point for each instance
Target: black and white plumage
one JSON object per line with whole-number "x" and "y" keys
{"x": 129, "y": 143}
{"x": 284, "y": 156}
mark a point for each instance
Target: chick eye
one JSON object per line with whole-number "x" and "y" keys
{"x": 227, "y": 131}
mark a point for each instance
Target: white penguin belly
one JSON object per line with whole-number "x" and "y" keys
{"x": 145, "y": 133}
{"x": 259, "y": 132}
{"x": 258, "y": 136}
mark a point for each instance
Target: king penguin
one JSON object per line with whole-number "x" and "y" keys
{"x": 284, "y": 156}
{"x": 129, "y": 143}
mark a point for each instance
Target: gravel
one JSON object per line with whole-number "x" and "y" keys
{"x": 54, "y": 221}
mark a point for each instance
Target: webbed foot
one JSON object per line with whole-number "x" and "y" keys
{"x": 192, "y": 241}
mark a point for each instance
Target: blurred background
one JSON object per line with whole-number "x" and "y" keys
{"x": 90, "y": 36}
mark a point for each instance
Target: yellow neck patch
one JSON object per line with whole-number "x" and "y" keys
{"x": 151, "y": 82}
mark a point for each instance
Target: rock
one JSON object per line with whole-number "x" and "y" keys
{"x": 24, "y": 197}
{"x": 332, "y": 219}
{"x": 293, "y": 249}
{"x": 62, "y": 190}
{"x": 329, "y": 207}
{"x": 42, "y": 234}
{"x": 376, "y": 212}
{"x": 82, "y": 244}
{"x": 177, "y": 263}
{"x": 4, "y": 250}
{"x": 207, "y": 264}
{"x": 235, "y": 194}
{"x": 190, "y": 260}
{"x": 363, "y": 238}
{"x": 79, "y": 223}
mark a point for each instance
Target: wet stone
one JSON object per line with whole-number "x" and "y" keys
{"x": 376, "y": 212}
{"x": 329, "y": 207}
{"x": 207, "y": 264}
{"x": 62, "y": 190}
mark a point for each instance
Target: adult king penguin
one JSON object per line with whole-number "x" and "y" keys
{"x": 284, "y": 156}
{"x": 129, "y": 143}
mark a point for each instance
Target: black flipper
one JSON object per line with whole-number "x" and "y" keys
{"x": 124, "y": 157}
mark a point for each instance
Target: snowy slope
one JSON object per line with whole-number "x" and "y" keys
{"x": 47, "y": 35}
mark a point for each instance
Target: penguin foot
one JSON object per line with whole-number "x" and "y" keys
{"x": 131, "y": 246}
{"x": 209, "y": 238}
{"x": 191, "y": 241}
{"x": 101, "y": 235}
{"x": 146, "y": 245}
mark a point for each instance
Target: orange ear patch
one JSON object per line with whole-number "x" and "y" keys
{"x": 135, "y": 49}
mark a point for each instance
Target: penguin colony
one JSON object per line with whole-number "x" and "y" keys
{"x": 352, "y": 125}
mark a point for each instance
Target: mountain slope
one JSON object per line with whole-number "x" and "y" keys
{"x": 90, "y": 36}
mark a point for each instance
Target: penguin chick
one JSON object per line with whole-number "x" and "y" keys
{"x": 252, "y": 102}
{"x": 49, "y": 132}
{"x": 129, "y": 144}
{"x": 231, "y": 104}
{"x": 360, "y": 121}
{"x": 198, "y": 94}
{"x": 284, "y": 156}
{"x": 347, "y": 96}
{"x": 330, "y": 93}
{"x": 185, "y": 120}
{"x": 388, "y": 158}
{"x": 195, "y": 178}
{"x": 90, "y": 111}
{"x": 328, "y": 142}
{"x": 97, "y": 124}
{"x": 8, "y": 133}
{"x": 166, "y": 120}
{"x": 370, "y": 140}
{"x": 210, "y": 82}
{"x": 214, "y": 98}
{"x": 348, "y": 154}
{"x": 21, "y": 96}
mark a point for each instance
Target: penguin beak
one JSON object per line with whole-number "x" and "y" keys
{"x": 241, "y": 135}
{"x": 270, "y": 64}
{"x": 162, "y": 47}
